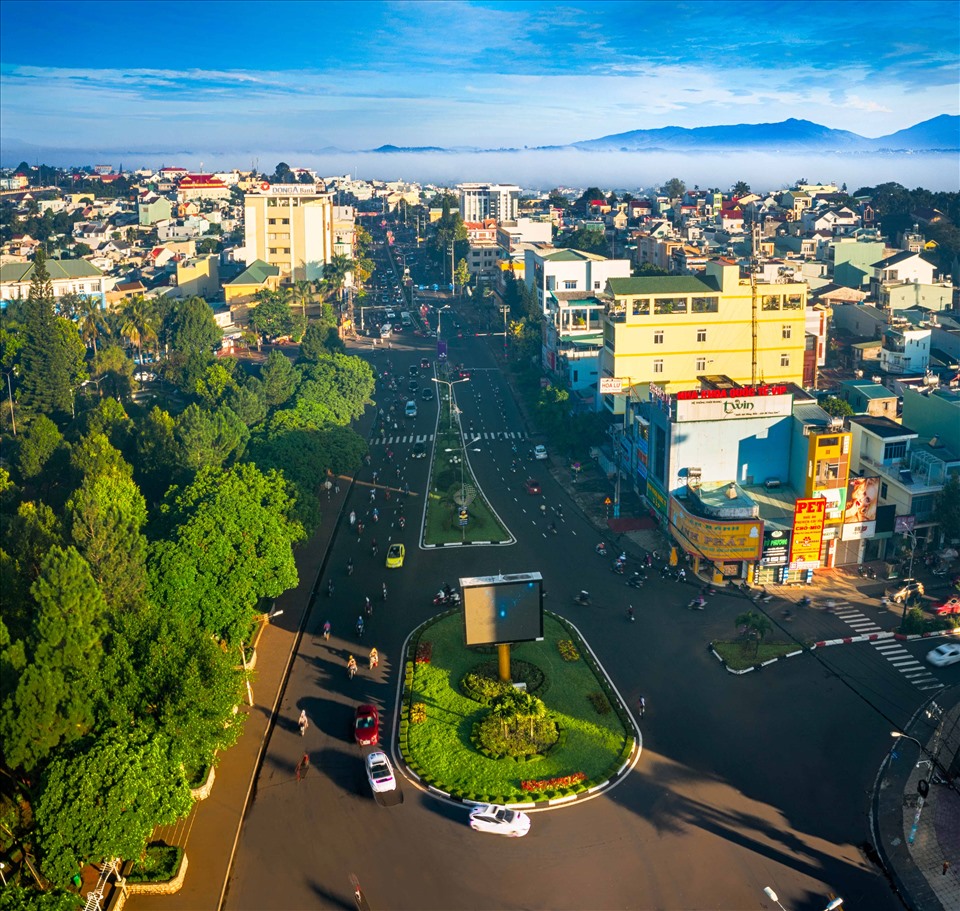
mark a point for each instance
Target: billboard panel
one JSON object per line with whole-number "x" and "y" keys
{"x": 862, "y": 496}
{"x": 502, "y": 608}
{"x": 776, "y": 546}
{"x": 808, "y": 518}
{"x": 611, "y": 385}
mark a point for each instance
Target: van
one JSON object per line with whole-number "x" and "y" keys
{"x": 406, "y": 320}
{"x": 386, "y": 330}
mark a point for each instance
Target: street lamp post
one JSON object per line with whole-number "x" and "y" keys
{"x": 439, "y": 312}
{"x": 450, "y": 384}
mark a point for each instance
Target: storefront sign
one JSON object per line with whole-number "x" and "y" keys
{"x": 732, "y": 540}
{"x": 862, "y": 495}
{"x": 657, "y": 498}
{"x": 857, "y": 530}
{"x": 904, "y": 524}
{"x": 836, "y": 499}
{"x": 717, "y": 409}
{"x": 738, "y": 392}
{"x": 661, "y": 398}
{"x": 611, "y": 385}
{"x": 776, "y": 547}
{"x": 289, "y": 189}
{"x": 808, "y": 518}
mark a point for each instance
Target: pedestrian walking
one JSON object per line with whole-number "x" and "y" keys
{"x": 302, "y": 722}
{"x": 303, "y": 765}
{"x": 641, "y": 706}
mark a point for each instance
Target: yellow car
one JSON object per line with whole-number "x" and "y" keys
{"x": 395, "y": 555}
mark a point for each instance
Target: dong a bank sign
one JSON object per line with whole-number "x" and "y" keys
{"x": 760, "y": 401}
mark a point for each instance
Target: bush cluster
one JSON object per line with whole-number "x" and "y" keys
{"x": 568, "y": 651}
{"x": 418, "y": 713}
{"x": 424, "y": 652}
{"x": 159, "y": 864}
{"x": 600, "y": 703}
{"x": 524, "y": 741}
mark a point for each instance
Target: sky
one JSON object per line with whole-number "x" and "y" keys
{"x": 296, "y": 76}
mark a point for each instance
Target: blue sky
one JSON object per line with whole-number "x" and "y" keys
{"x": 229, "y": 75}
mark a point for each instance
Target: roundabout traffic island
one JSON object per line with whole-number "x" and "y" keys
{"x": 556, "y": 731}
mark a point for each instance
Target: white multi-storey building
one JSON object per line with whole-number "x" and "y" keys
{"x": 480, "y": 201}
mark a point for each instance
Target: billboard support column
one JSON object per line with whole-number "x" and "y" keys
{"x": 503, "y": 661}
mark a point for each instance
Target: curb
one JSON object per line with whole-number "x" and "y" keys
{"x": 824, "y": 643}
{"x": 400, "y": 762}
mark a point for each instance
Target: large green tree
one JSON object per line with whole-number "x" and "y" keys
{"x": 229, "y": 543}
{"x": 947, "y": 509}
{"x": 209, "y": 438}
{"x": 271, "y": 318}
{"x": 107, "y": 514}
{"x": 104, "y": 798}
{"x": 53, "y": 699}
{"x": 37, "y": 444}
{"x": 49, "y": 367}
{"x": 280, "y": 379}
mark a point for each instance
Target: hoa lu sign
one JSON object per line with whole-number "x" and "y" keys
{"x": 740, "y": 402}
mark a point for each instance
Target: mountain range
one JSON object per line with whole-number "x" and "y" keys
{"x": 940, "y": 134}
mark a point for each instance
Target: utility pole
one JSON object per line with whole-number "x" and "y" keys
{"x": 754, "y": 323}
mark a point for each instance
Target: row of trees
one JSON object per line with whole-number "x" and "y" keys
{"x": 136, "y": 545}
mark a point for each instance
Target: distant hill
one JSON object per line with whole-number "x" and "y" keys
{"x": 942, "y": 133}
{"x": 388, "y": 149}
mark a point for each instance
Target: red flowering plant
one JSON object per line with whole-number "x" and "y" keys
{"x": 424, "y": 652}
{"x": 545, "y": 784}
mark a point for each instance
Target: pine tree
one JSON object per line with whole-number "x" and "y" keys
{"x": 46, "y": 384}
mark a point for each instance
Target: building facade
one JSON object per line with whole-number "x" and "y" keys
{"x": 290, "y": 226}
{"x": 480, "y": 201}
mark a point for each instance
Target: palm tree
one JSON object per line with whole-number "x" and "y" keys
{"x": 756, "y": 625}
{"x": 92, "y": 322}
{"x": 336, "y": 270}
{"x": 137, "y": 323}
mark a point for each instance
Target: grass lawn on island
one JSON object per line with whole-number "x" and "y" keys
{"x": 447, "y": 474}
{"x": 440, "y": 750}
{"x": 740, "y": 654}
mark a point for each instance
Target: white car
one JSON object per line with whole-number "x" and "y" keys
{"x": 942, "y": 655}
{"x": 380, "y": 772}
{"x": 539, "y": 451}
{"x": 499, "y": 821}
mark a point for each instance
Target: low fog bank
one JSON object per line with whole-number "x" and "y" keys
{"x": 545, "y": 169}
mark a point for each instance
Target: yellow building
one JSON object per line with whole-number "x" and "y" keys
{"x": 290, "y": 226}
{"x": 672, "y": 329}
{"x": 199, "y": 277}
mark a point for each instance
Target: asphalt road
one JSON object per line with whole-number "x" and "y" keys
{"x": 743, "y": 782}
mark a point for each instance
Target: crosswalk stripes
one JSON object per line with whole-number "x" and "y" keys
{"x": 900, "y": 659}
{"x": 403, "y": 438}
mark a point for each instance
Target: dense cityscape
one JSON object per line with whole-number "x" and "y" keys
{"x": 348, "y": 522}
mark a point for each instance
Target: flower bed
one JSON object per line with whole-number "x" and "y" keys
{"x": 543, "y": 784}
{"x": 424, "y": 652}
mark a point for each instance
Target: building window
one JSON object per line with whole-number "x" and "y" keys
{"x": 701, "y": 335}
{"x": 787, "y": 331}
{"x": 641, "y": 306}
{"x": 701, "y": 364}
{"x": 658, "y": 365}
{"x": 271, "y": 221}
{"x": 793, "y": 302}
{"x": 658, "y": 338}
{"x": 771, "y": 302}
{"x": 894, "y": 451}
{"x": 883, "y": 490}
{"x": 596, "y": 286}
{"x": 784, "y": 360}
{"x": 704, "y": 304}
{"x": 569, "y": 286}
{"x": 663, "y": 306}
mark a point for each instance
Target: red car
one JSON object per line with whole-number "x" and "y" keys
{"x": 366, "y": 726}
{"x": 532, "y": 486}
{"x": 949, "y": 605}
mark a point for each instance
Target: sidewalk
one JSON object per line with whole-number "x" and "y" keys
{"x": 210, "y": 833}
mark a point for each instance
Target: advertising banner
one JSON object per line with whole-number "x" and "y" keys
{"x": 836, "y": 499}
{"x": 611, "y": 385}
{"x": 763, "y": 406}
{"x": 808, "y": 518}
{"x": 862, "y": 496}
{"x": 904, "y": 524}
{"x": 739, "y": 539}
{"x": 657, "y": 498}
{"x": 857, "y": 530}
{"x": 776, "y": 547}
